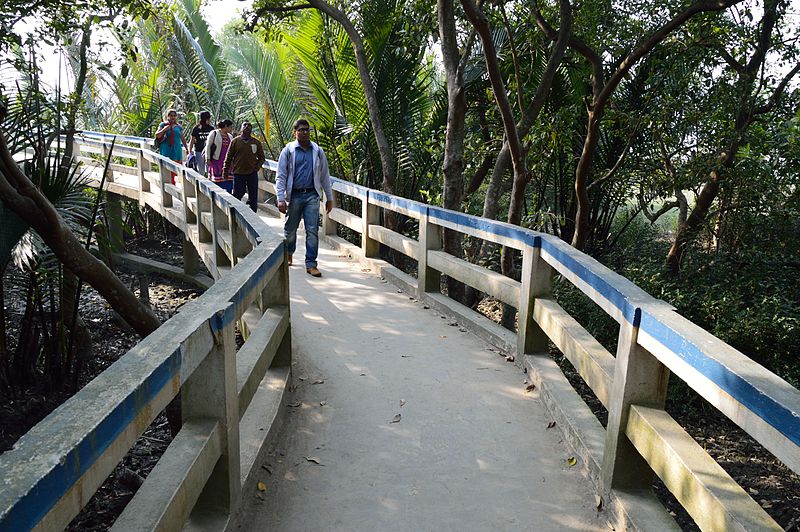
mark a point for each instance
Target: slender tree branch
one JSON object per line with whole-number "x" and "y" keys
{"x": 732, "y": 62}
{"x": 778, "y": 93}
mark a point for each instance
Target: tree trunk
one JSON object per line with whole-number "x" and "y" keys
{"x": 19, "y": 194}
{"x": 582, "y": 226}
{"x": 453, "y": 165}
{"x": 387, "y": 159}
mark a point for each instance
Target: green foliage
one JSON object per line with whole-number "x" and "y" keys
{"x": 750, "y": 300}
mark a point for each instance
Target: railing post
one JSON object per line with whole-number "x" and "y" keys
{"x": 106, "y": 153}
{"x": 143, "y": 166}
{"x": 166, "y": 179}
{"x": 328, "y": 225}
{"x": 211, "y": 393}
{"x": 430, "y": 238}
{"x": 115, "y": 231}
{"x": 370, "y": 215}
{"x": 639, "y": 378}
{"x": 537, "y": 281}
{"x": 76, "y": 148}
{"x": 260, "y": 192}
{"x": 276, "y": 293}
{"x": 191, "y": 260}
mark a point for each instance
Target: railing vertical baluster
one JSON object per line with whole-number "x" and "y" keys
{"x": 211, "y": 393}
{"x": 430, "y": 238}
{"x": 639, "y": 378}
{"x": 370, "y": 215}
{"x": 537, "y": 281}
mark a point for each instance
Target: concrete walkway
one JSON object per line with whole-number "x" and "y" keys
{"x": 402, "y": 421}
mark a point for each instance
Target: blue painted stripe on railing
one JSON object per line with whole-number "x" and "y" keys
{"x": 522, "y": 235}
{"x": 349, "y": 188}
{"x": 34, "y": 505}
{"x": 395, "y": 201}
{"x": 222, "y": 319}
{"x": 595, "y": 281}
{"x": 781, "y": 418}
{"x": 126, "y": 138}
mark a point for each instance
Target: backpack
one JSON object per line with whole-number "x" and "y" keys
{"x": 158, "y": 141}
{"x": 210, "y": 146}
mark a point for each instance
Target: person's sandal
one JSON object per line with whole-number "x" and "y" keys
{"x": 313, "y": 272}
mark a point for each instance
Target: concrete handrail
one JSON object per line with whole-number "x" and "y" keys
{"x": 654, "y": 341}
{"x": 53, "y": 470}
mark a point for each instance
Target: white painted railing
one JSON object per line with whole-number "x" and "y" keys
{"x": 230, "y": 399}
{"x": 654, "y": 341}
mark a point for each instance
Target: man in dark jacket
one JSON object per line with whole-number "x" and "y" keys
{"x": 244, "y": 159}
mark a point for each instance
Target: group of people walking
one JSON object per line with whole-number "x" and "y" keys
{"x": 233, "y": 163}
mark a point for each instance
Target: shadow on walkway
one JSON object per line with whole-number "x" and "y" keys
{"x": 402, "y": 421}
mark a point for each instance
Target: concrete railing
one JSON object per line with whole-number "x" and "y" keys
{"x": 230, "y": 399}
{"x": 654, "y": 342}
{"x": 55, "y": 468}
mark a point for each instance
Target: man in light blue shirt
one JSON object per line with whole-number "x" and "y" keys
{"x": 302, "y": 176}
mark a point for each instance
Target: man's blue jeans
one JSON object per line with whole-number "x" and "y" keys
{"x": 305, "y": 206}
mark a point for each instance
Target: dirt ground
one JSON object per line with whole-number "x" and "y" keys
{"x": 111, "y": 339}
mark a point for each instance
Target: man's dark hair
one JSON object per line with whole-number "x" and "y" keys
{"x": 247, "y": 124}
{"x": 301, "y": 122}
{"x": 205, "y": 116}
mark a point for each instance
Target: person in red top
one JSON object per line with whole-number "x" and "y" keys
{"x": 170, "y": 136}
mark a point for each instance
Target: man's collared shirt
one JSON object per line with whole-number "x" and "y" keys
{"x": 303, "y": 167}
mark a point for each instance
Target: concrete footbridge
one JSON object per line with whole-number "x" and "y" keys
{"x": 368, "y": 400}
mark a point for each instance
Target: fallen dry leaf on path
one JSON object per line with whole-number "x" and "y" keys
{"x": 261, "y": 486}
{"x": 529, "y": 388}
{"x": 295, "y": 404}
{"x": 313, "y": 459}
{"x": 571, "y": 461}
{"x": 323, "y": 403}
{"x": 318, "y": 382}
{"x": 402, "y": 402}
{"x": 551, "y": 424}
{"x": 396, "y": 419}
